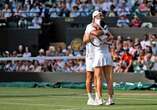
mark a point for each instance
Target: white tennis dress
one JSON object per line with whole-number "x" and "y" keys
{"x": 89, "y": 51}
{"x": 102, "y": 55}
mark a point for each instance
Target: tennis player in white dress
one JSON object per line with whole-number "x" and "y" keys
{"x": 102, "y": 59}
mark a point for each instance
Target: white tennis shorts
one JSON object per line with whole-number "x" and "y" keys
{"x": 89, "y": 64}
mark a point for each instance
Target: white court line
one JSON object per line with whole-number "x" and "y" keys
{"x": 45, "y": 105}
{"x": 134, "y": 98}
{"x": 33, "y": 104}
{"x": 66, "y": 107}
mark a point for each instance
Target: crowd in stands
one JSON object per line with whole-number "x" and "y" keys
{"x": 39, "y": 9}
{"x": 42, "y": 65}
{"x": 129, "y": 55}
{"x": 135, "y": 55}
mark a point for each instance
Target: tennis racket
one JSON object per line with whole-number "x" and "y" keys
{"x": 77, "y": 44}
{"x": 99, "y": 41}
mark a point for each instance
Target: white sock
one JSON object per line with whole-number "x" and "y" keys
{"x": 90, "y": 96}
{"x": 109, "y": 99}
{"x": 93, "y": 95}
{"x": 97, "y": 96}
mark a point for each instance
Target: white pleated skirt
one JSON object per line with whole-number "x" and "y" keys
{"x": 102, "y": 60}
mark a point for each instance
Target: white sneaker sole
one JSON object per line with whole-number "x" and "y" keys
{"x": 110, "y": 104}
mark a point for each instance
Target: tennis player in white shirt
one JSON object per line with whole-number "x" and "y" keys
{"x": 102, "y": 58}
{"x": 89, "y": 65}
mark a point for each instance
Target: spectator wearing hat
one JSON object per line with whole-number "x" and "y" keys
{"x": 41, "y": 56}
{"x": 75, "y": 11}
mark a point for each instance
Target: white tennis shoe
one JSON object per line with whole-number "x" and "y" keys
{"x": 109, "y": 102}
{"x": 99, "y": 101}
{"x": 91, "y": 102}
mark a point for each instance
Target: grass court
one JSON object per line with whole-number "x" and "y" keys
{"x": 72, "y": 99}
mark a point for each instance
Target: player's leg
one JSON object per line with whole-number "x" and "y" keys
{"x": 108, "y": 73}
{"x": 89, "y": 81}
{"x": 98, "y": 78}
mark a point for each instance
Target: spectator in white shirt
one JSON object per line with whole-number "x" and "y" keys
{"x": 27, "y": 53}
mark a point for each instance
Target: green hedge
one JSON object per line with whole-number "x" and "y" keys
{"x": 80, "y": 85}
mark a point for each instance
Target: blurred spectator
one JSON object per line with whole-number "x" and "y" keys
{"x": 145, "y": 42}
{"x": 75, "y": 11}
{"x": 59, "y": 51}
{"x": 17, "y": 11}
{"x": 36, "y": 22}
{"x": 144, "y": 8}
{"x": 35, "y": 10}
{"x": 126, "y": 61}
{"x": 6, "y": 11}
{"x": 7, "y": 54}
{"x": 20, "y": 51}
{"x": 112, "y": 12}
{"x": 27, "y": 53}
{"x": 148, "y": 63}
{"x": 69, "y": 4}
{"x": 14, "y": 53}
{"x": 50, "y": 51}
{"x": 138, "y": 66}
{"x": 37, "y": 66}
{"x": 106, "y": 5}
{"x": 123, "y": 21}
{"x": 54, "y": 10}
{"x": 41, "y": 56}
{"x": 122, "y": 8}
{"x": 154, "y": 8}
{"x": 63, "y": 10}
{"x": 135, "y": 22}
{"x": 85, "y": 7}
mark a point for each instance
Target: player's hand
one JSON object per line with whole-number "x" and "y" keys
{"x": 97, "y": 33}
{"x": 109, "y": 38}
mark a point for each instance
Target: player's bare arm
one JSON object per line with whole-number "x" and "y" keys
{"x": 97, "y": 33}
{"x": 86, "y": 38}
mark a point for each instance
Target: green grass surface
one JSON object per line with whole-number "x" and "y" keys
{"x": 71, "y": 99}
